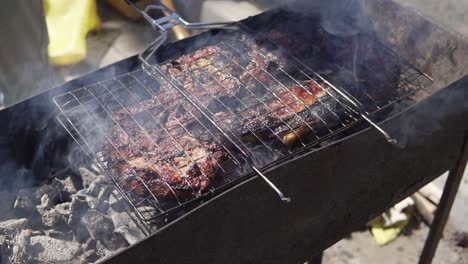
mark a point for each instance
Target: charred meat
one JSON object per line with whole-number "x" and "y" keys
{"x": 248, "y": 86}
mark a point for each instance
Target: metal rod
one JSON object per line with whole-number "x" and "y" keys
{"x": 383, "y": 132}
{"x": 445, "y": 205}
{"x": 182, "y": 124}
{"x": 171, "y": 20}
{"x": 285, "y": 89}
{"x": 356, "y": 105}
{"x": 272, "y": 185}
{"x": 225, "y": 135}
{"x": 359, "y": 110}
{"x": 180, "y": 32}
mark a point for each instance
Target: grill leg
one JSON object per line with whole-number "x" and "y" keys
{"x": 445, "y": 205}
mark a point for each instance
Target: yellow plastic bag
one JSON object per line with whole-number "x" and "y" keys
{"x": 385, "y": 235}
{"x": 68, "y": 23}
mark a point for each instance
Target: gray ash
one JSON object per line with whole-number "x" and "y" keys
{"x": 66, "y": 221}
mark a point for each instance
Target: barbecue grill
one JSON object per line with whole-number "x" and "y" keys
{"x": 99, "y": 103}
{"x": 307, "y": 169}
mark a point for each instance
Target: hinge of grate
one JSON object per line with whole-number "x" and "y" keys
{"x": 163, "y": 24}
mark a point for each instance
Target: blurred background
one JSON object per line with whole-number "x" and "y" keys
{"x": 53, "y": 41}
{"x": 46, "y": 43}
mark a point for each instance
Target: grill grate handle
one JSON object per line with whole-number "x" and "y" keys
{"x": 163, "y": 24}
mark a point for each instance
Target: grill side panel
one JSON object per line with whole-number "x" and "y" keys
{"x": 261, "y": 229}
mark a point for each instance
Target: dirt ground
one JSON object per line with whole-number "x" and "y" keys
{"x": 360, "y": 247}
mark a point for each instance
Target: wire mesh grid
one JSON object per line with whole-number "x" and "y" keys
{"x": 139, "y": 128}
{"x": 127, "y": 106}
{"x": 273, "y": 85}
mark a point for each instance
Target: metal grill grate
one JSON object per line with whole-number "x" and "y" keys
{"x": 247, "y": 87}
{"x": 89, "y": 114}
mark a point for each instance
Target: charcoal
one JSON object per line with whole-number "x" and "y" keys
{"x": 89, "y": 244}
{"x": 26, "y": 200}
{"x": 101, "y": 227}
{"x": 97, "y": 204}
{"x": 98, "y": 225}
{"x": 93, "y": 203}
{"x": 101, "y": 250}
{"x": 117, "y": 202}
{"x": 77, "y": 209}
{"x": 88, "y": 177}
{"x": 96, "y": 186}
{"x": 50, "y": 250}
{"x": 64, "y": 208}
{"x": 52, "y": 218}
{"x": 105, "y": 192}
{"x": 462, "y": 238}
{"x": 80, "y": 194}
{"x": 53, "y": 190}
{"x": 103, "y": 206}
{"x": 13, "y": 226}
{"x": 37, "y": 233}
{"x": 46, "y": 203}
{"x": 16, "y": 251}
{"x": 89, "y": 256}
{"x": 69, "y": 185}
{"x": 57, "y": 216}
{"x": 81, "y": 233}
{"x": 53, "y": 233}
{"x": 131, "y": 234}
{"x": 3, "y": 248}
{"x": 43, "y": 197}
{"x": 115, "y": 242}
{"x": 122, "y": 218}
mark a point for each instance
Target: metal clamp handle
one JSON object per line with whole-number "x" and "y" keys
{"x": 165, "y": 23}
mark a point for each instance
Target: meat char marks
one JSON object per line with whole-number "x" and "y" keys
{"x": 246, "y": 86}
{"x": 168, "y": 166}
{"x": 171, "y": 161}
{"x": 156, "y": 146}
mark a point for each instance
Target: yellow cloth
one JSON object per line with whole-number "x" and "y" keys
{"x": 384, "y": 235}
{"x": 68, "y": 23}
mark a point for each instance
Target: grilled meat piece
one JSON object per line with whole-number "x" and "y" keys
{"x": 246, "y": 89}
{"x": 167, "y": 165}
{"x": 157, "y": 146}
{"x": 252, "y": 89}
